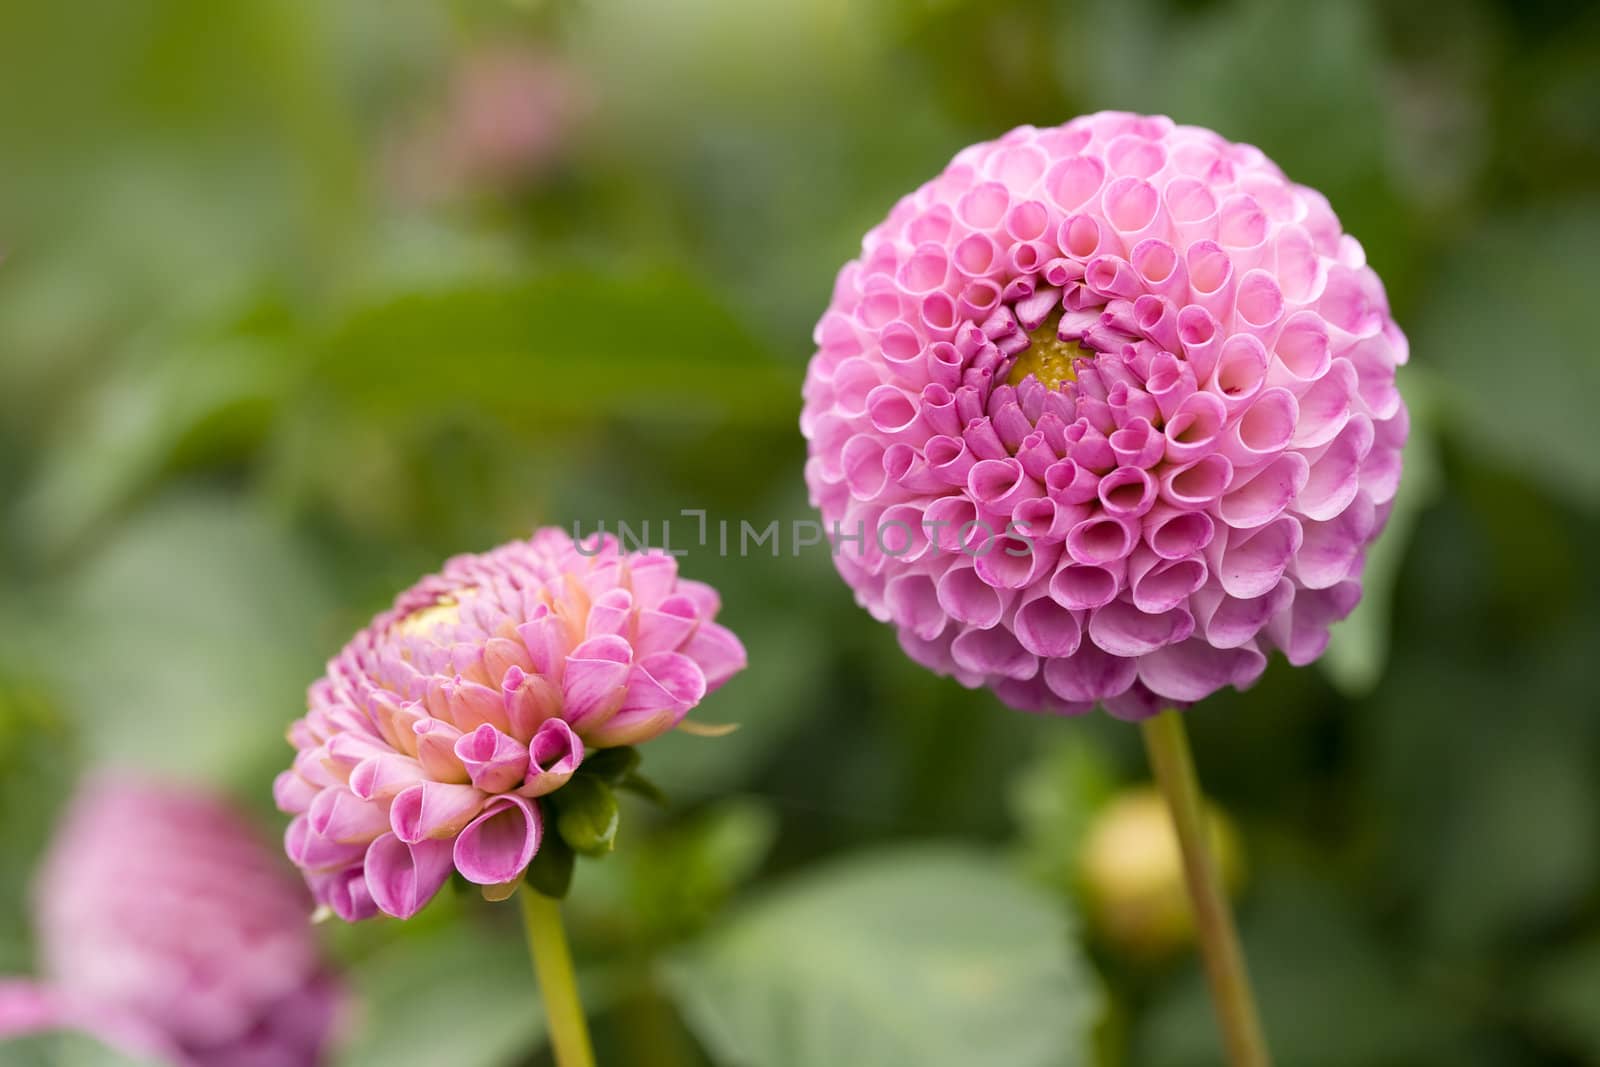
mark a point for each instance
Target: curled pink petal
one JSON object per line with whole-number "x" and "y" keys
{"x": 553, "y": 756}
{"x": 494, "y": 761}
{"x": 433, "y": 810}
{"x": 401, "y": 878}
{"x": 496, "y": 847}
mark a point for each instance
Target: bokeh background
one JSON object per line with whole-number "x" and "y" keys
{"x": 299, "y": 299}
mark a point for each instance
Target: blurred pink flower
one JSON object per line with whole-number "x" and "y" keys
{"x": 437, "y": 728}
{"x": 167, "y": 929}
{"x": 507, "y": 114}
{"x": 1114, "y": 404}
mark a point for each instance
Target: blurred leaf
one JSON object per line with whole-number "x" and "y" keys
{"x": 81, "y": 1050}
{"x": 1509, "y": 335}
{"x": 932, "y": 956}
{"x": 769, "y": 704}
{"x": 560, "y": 345}
{"x": 458, "y": 994}
{"x": 1054, "y": 800}
{"x": 1316, "y": 971}
{"x": 1483, "y": 796}
{"x": 1531, "y": 806}
{"x": 38, "y": 764}
{"x": 1245, "y": 70}
{"x": 67, "y": 1048}
{"x": 1359, "y": 647}
{"x": 186, "y": 643}
{"x": 1563, "y": 995}
{"x": 202, "y": 397}
{"x": 673, "y": 882}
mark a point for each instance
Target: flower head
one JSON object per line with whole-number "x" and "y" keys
{"x": 435, "y": 731}
{"x": 168, "y": 929}
{"x": 1112, "y": 407}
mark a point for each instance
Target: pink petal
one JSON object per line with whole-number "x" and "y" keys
{"x": 593, "y": 686}
{"x": 661, "y": 691}
{"x": 1045, "y": 628}
{"x": 433, "y": 810}
{"x": 1089, "y": 674}
{"x": 381, "y": 777}
{"x": 995, "y": 651}
{"x": 718, "y": 652}
{"x": 312, "y": 851}
{"x": 495, "y": 848}
{"x": 553, "y": 755}
{"x": 667, "y": 626}
{"x": 346, "y": 819}
{"x": 402, "y": 878}
{"x": 495, "y": 761}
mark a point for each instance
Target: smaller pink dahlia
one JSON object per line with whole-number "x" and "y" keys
{"x": 437, "y": 729}
{"x": 167, "y": 929}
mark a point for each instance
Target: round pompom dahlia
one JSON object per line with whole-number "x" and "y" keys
{"x": 435, "y": 731}
{"x": 1104, "y": 413}
{"x": 167, "y": 928}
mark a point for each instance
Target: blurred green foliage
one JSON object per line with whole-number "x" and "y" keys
{"x": 255, "y": 377}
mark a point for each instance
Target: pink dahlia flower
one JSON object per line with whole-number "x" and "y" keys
{"x": 438, "y": 727}
{"x": 169, "y": 930}
{"x": 1112, "y": 406}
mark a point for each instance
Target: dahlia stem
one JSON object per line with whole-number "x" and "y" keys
{"x": 558, "y": 983}
{"x": 1168, "y": 744}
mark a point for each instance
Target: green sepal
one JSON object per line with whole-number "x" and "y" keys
{"x": 586, "y": 815}
{"x": 550, "y": 872}
{"x": 610, "y": 765}
{"x": 639, "y": 785}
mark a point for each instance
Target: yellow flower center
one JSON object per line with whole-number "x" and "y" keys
{"x": 446, "y": 612}
{"x": 1047, "y": 357}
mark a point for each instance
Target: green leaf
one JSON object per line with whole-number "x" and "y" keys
{"x": 202, "y": 396}
{"x": 567, "y": 344}
{"x": 1316, "y": 970}
{"x": 673, "y": 882}
{"x": 1509, "y": 332}
{"x": 929, "y": 956}
{"x": 185, "y": 644}
{"x": 38, "y": 765}
{"x": 1562, "y": 995}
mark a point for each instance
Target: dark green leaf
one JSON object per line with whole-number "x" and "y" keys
{"x": 560, "y": 345}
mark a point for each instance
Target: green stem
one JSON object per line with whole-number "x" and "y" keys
{"x": 1168, "y": 745}
{"x": 558, "y": 984}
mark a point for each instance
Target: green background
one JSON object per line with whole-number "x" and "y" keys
{"x": 253, "y": 380}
